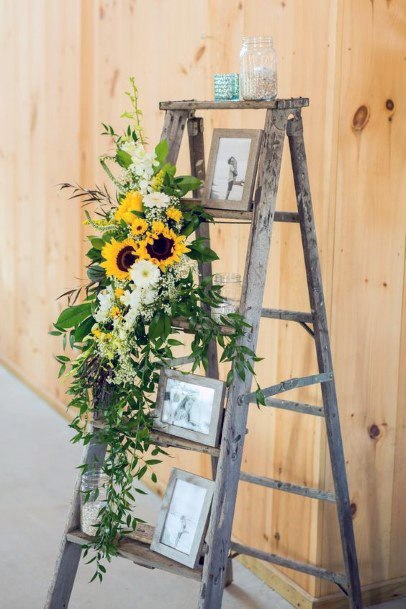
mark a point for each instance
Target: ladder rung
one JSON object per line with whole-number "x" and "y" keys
{"x": 317, "y": 411}
{"x": 306, "y": 491}
{"x": 303, "y": 381}
{"x": 179, "y": 361}
{"x": 244, "y": 215}
{"x": 337, "y": 578}
{"x": 298, "y": 316}
{"x": 183, "y": 324}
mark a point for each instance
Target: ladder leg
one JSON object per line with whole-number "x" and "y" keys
{"x": 172, "y": 132}
{"x": 197, "y": 163}
{"x": 313, "y": 272}
{"x": 222, "y": 513}
{"x": 69, "y": 554}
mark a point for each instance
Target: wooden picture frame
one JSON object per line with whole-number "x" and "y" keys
{"x": 232, "y": 169}
{"x": 183, "y": 517}
{"x": 185, "y": 412}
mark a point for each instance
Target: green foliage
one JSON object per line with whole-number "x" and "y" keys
{"x": 127, "y": 408}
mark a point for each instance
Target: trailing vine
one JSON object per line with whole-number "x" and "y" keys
{"x": 142, "y": 276}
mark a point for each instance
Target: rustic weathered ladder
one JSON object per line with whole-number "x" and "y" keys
{"x": 283, "y": 117}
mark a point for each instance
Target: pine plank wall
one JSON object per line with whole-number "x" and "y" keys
{"x": 65, "y": 68}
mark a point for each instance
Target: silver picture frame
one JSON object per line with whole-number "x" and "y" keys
{"x": 183, "y": 517}
{"x": 232, "y": 169}
{"x": 190, "y": 406}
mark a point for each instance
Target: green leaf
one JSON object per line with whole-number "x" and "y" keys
{"x": 199, "y": 251}
{"x": 96, "y": 273}
{"x": 123, "y": 158}
{"x": 72, "y": 316}
{"x": 161, "y": 152}
{"x": 97, "y": 243}
{"x": 84, "y": 328}
{"x": 187, "y": 183}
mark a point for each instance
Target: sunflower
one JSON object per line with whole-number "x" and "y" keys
{"x": 119, "y": 257}
{"x": 131, "y": 202}
{"x": 139, "y": 226}
{"x": 163, "y": 248}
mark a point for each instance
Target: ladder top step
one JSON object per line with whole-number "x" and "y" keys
{"x": 136, "y": 547}
{"x": 193, "y": 104}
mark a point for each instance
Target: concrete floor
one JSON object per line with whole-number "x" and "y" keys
{"x": 36, "y": 481}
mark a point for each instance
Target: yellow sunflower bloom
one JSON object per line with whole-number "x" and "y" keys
{"x": 139, "y": 226}
{"x": 131, "y": 202}
{"x": 119, "y": 256}
{"x": 174, "y": 214}
{"x": 118, "y": 292}
{"x": 163, "y": 249}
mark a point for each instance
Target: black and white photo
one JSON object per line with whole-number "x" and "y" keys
{"x": 189, "y": 406}
{"x": 232, "y": 168}
{"x": 183, "y": 517}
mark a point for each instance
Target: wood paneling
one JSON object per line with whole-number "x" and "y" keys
{"x": 66, "y": 66}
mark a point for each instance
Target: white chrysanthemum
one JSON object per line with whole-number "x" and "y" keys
{"x": 144, "y": 273}
{"x": 156, "y": 199}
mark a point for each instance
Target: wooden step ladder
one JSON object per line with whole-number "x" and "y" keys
{"x": 283, "y": 117}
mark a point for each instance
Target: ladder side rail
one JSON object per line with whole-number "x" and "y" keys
{"x": 198, "y": 169}
{"x": 316, "y": 296}
{"x": 222, "y": 513}
{"x": 172, "y": 131}
{"x": 68, "y": 559}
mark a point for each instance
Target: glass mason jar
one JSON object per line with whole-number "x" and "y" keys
{"x": 93, "y": 489}
{"x": 258, "y": 78}
{"x": 231, "y": 292}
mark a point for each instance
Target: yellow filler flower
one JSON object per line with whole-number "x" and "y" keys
{"x": 174, "y": 214}
{"x": 139, "y": 226}
{"x": 119, "y": 256}
{"x": 131, "y": 202}
{"x": 163, "y": 248}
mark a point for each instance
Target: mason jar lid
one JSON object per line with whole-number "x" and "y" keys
{"x": 258, "y": 40}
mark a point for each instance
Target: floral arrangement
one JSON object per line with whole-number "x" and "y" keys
{"x": 141, "y": 275}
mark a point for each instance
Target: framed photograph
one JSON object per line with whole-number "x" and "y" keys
{"x": 183, "y": 517}
{"x": 232, "y": 169}
{"x": 189, "y": 406}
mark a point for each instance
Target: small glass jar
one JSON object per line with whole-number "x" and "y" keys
{"x": 226, "y": 87}
{"x": 258, "y": 77}
{"x": 93, "y": 490}
{"x": 231, "y": 292}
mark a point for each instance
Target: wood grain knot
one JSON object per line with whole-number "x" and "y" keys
{"x": 361, "y": 118}
{"x": 353, "y": 509}
{"x": 389, "y": 104}
{"x": 374, "y": 431}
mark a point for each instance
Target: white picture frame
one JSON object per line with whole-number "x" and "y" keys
{"x": 190, "y": 406}
{"x": 183, "y": 517}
